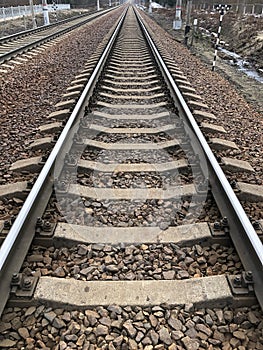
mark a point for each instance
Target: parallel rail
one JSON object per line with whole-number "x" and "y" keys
{"x": 20, "y": 236}
{"x": 243, "y": 235}
{"x": 24, "y": 41}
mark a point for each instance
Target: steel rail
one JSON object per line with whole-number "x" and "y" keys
{"x": 7, "y": 56}
{"x": 43, "y": 28}
{"x": 12, "y": 240}
{"x": 243, "y": 235}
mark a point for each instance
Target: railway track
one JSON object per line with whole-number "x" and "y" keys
{"x": 130, "y": 212}
{"x": 11, "y": 47}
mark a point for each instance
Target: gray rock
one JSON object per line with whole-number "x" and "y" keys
{"x": 189, "y": 307}
{"x": 153, "y": 320}
{"x": 71, "y": 337}
{"x": 182, "y": 274}
{"x": 106, "y": 321}
{"x": 130, "y": 329}
{"x": 235, "y": 342}
{"x": 190, "y": 344}
{"x": 208, "y": 320}
{"x": 165, "y": 336}
{"x": 139, "y": 316}
{"x": 146, "y": 341}
{"x": 101, "y": 330}
{"x": 115, "y": 308}
{"x": 23, "y": 332}
{"x": 154, "y": 337}
{"x": 112, "y": 268}
{"x": 30, "y": 311}
{"x": 228, "y": 315}
{"x": 176, "y": 335}
{"x": 191, "y": 332}
{"x": 58, "y": 323}
{"x": 239, "y": 335}
{"x": 204, "y": 329}
{"x": 83, "y": 249}
{"x": 8, "y": 316}
{"x": 5, "y": 326}
{"x": 62, "y": 345}
{"x": 117, "y": 341}
{"x": 87, "y": 270}
{"x": 139, "y": 336}
{"x": 7, "y": 343}
{"x": 50, "y": 316}
{"x": 16, "y": 323}
{"x": 133, "y": 344}
{"x": 218, "y": 336}
{"x": 220, "y": 316}
{"x": 175, "y": 323}
{"x": 59, "y": 272}
{"x": 169, "y": 275}
{"x": 117, "y": 324}
{"x": 252, "y": 317}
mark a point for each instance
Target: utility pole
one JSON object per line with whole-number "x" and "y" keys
{"x": 221, "y": 9}
{"x": 188, "y": 21}
{"x": 45, "y": 12}
{"x": 32, "y": 10}
{"x": 150, "y": 7}
{"x": 98, "y": 5}
{"x": 177, "y": 23}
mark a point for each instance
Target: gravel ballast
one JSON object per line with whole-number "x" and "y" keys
{"x": 157, "y": 327}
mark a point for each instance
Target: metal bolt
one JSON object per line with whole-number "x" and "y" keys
{"x": 27, "y": 284}
{"x": 7, "y": 225}
{"x": 15, "y": 277}
{"x": 224, "y": 221}
{"x": 237, "y": 280}
{"x": 217, "y": 225}
{"x": 256, "y": 225}
{"x": 47, "y": 226}
{"x": 249, "y": 275}
{"x": 39, "y": 222}
{"x": 233, "y": 184}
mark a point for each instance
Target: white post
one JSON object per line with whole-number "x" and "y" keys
{"x": 150, "y": 7}
{"x": 109, "y": 3}
{"x": 177, "y": 23}
{"x": 12, "y": 11}
{"x": 45, "y": 12}
{"x": 98, "y": 5}
{"x": 32, "y": 10}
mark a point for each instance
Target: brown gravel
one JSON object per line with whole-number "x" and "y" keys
{"x": 133, "y": 262}
{"x": 29, "y": 92}
{"x": 241, "y": 121}
{"x": 149, "y": 328}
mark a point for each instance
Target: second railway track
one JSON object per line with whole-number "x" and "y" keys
{"x": 11, "y": 47}
{"x": 130, "y": 212}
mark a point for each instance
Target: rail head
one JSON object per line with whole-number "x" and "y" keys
{"x": 243, "y": 234}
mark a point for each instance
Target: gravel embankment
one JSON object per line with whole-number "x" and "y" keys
{"x": 114, "y": 327}
{"x": 240, "y": 120}
{"x": 29, "y": 92}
